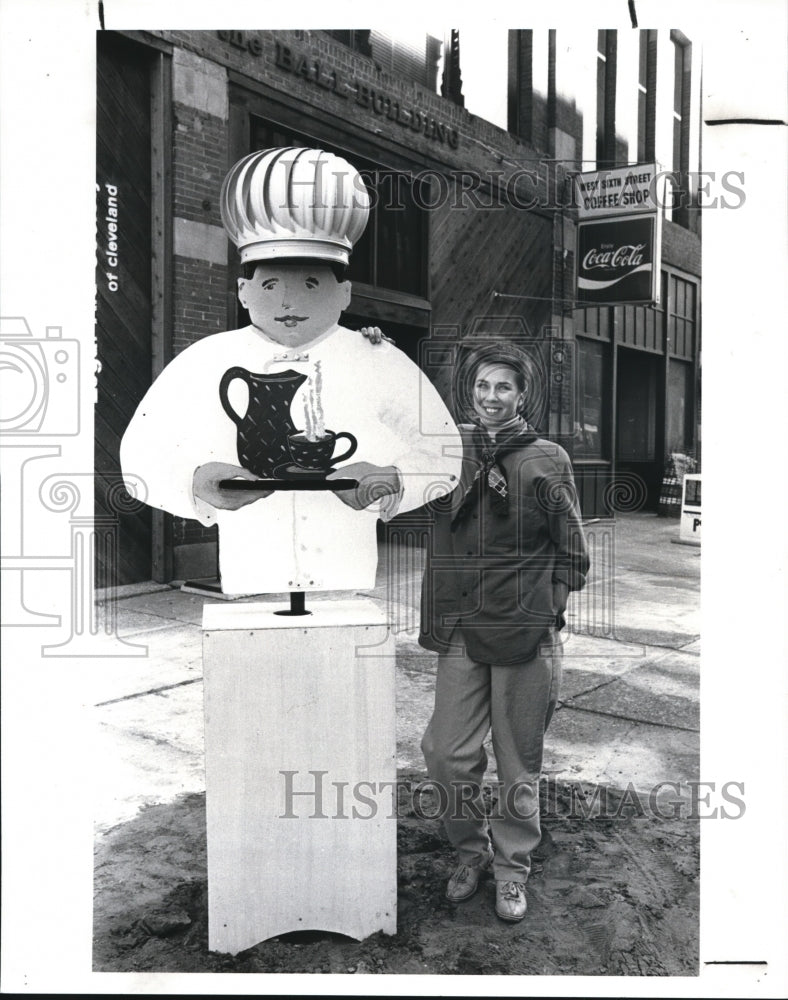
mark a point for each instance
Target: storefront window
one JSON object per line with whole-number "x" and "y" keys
{"x": 590, "y": 437}
{"x": 397, "y": 228}
{"x": 680, "y": 407}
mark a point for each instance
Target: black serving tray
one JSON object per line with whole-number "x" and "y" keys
{"x": 306, "y": 483}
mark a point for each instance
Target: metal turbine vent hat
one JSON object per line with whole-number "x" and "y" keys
{"x": 293, "y": 202}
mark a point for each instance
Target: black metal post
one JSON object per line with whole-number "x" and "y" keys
{"x": 297, "y": 604}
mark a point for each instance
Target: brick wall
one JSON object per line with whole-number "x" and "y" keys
{"x": 199, "y": 162}
{"x": 681, "y": 248}
{"x": 480, "y": 145}
{"x": 199, "y": 301}
{"x": 199, "y": 282}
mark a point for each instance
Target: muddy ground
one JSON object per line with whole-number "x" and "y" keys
{"x": 614, "y": 891}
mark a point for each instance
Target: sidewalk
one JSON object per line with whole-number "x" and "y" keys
{"x": 628, "y": 714}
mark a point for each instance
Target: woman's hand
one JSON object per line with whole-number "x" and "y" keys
{"x": 375, "y": 335}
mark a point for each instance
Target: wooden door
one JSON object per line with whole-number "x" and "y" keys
{"x": 123, "y": 289}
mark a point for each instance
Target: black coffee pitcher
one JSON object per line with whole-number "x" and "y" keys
{"x": 265, "y": 427}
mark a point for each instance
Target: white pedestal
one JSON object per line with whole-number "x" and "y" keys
{"x": 299, "y": 705}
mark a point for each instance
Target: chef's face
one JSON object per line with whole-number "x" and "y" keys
{"x": 496, "y": 394}
{"x": 294, "y": 304}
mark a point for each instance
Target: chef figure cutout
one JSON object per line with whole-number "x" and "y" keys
{"x": 293, "y": 396}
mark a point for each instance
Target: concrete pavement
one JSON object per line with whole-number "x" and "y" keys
{"x": 629, "y": 703}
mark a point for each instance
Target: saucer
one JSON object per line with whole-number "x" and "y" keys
{"x": 288, "y": 471}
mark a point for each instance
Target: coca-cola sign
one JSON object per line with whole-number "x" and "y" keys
{"x": 617, "y": 260}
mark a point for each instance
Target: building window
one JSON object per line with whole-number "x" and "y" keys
{"x": 606, "y": 98}
{"x": 682, "y": 306}
{"x": 414, "y": 55}
{"x": 590, "y": 431}
{"x": 357, "y": 40}
{"x": 680, "y": 407}
{"x": 681, "y": 95}
{"x": 682, "y": 61}
{"x": 647, "y": 95}
{"x": 391, "y": 253}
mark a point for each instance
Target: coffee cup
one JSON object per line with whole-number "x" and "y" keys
{"x": 318, "y": 455}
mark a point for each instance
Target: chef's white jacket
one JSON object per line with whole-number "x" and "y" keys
{"x": 294, "y": 540}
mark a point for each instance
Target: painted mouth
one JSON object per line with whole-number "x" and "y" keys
{"x": 290, "y": 321}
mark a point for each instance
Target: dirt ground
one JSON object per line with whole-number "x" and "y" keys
{"x": 613, "y": 891}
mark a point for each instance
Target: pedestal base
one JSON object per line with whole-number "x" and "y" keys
{"x": 300, "y": 761}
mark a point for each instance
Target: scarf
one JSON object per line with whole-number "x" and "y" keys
{"x": 490, "y": 475}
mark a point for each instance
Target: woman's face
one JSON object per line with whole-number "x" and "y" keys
{"x": 496, "y": 396}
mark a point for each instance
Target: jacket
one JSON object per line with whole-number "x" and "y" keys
{"x": 493, "y": 572}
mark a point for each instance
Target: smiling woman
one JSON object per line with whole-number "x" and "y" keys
{"x": 506, "y": 549}
{"x": 498, "y": 395}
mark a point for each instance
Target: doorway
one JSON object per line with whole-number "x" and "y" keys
{"x": 640, "y": 419}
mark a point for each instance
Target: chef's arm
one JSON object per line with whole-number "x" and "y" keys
{"x": 208, "y": 492}
{"x": 375, "y": 482}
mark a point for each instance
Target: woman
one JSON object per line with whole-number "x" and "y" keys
{"x": 507, "y": 547}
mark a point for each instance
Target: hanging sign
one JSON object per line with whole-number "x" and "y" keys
{"x": 619, "y": 191}
{"x": 619, "y": 235}
{"x": 618, "y": 260}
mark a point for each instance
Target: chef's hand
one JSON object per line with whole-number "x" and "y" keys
{"x": 374, "y": 335}
{"x": 374, "y": 483}
{"x": 205, "y": 486}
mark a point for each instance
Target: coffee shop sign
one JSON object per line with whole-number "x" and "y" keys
{"x": 329, "y": 79}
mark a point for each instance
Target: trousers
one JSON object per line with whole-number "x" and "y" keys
{"x": 516, "y": 703}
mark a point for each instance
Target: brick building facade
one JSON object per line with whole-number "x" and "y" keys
{"x": 473, "y": 234}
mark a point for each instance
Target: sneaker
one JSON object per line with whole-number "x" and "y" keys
{"x": 510, "y": 902}
{"x": 465, "y": 880}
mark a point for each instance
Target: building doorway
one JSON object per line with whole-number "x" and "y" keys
{"x": 640, "y": 419}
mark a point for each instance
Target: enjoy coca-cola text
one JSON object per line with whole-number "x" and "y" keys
{"x": 624, "y": 256}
